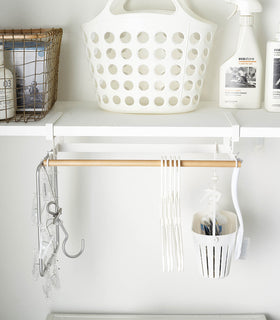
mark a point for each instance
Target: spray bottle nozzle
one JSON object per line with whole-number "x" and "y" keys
{"x": 245, "y": 7}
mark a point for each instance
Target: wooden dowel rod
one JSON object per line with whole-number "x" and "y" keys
{"x": 140, "y": 163}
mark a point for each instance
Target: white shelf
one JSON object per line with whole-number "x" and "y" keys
{"x": 258, "y": 123}
{"x": 86, "y": 119}
{"x": 80, "y": 119}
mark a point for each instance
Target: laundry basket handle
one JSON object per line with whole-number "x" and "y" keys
{"x": 109, "y": 4}
{"x": 240, "y": 232}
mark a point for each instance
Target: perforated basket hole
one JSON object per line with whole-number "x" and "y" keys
{"x": 174, "y": 85}
{"x": 129, "y": 101}
{"x": 144, "y": 101}
{"x": 143, "y": 37}
{"x": 143, "y": 85}
{"x": 159, "y": 85}
{"x": 173, "y": 101}
{"x": 112, "y": 69}
{"x": 143, "y": 69}
{"x": 193, "y": 54}
{"x": 178, "y": 37}
{"x": 190, "y": 70}
{"x": 116, "y": 99}
{"x": 94, "y": 37}
{"x": 128, "y": 85}
{"x": 176, "y": 70}
{"x": 202, "y": 69}
{"x": 127, "y": 69}
{"x": 125, "y": 37}
{"x": 88, "y": 53}
{"x": 177, "y": 54}
{"x": 186, "y": 100}
{"x": 195, "y": 38}
{"x": 143, "y": 53}
{"x": 160, "y": 53}
{"x": 195, "y": 99}
{"x": 109, "y": 37}
{"x": 205, "y": 52}
{"x": 160, "y": 70}
{"x": 126, "y": 53}
{"x": 111, "y": 53}
{"x": 100, "y": 69}
{"x": 159, "y": 101}
{"x": 102, "y": 84}
{"x": 115, "y": 84}
{"x": 198, "y": 84}
{"x": 188, "y": 85}
{"x": 209, "y": 37}
{"x": 160, "y": 37}
{"x": 97, "y": 53}
{"x": 105, "y": 99}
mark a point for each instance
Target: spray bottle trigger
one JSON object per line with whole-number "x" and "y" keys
{"x": 234, "y": 12}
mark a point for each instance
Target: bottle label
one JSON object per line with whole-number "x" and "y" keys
{"x": 276, "y": 78}
{"x": 242, "y": 75}
{"x": 6, "y": 95}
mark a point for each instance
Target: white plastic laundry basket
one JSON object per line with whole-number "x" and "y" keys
{"x": 215, "y": 252}
{"x": 148, "y": 61}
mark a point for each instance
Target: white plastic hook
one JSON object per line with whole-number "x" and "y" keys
{"x": 172, "y": 247}
{"x": 163, "y": 210}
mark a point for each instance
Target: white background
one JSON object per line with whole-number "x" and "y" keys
{"x": 117, "y": 210}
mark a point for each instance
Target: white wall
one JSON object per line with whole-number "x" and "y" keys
{"x": 116, "y": 210}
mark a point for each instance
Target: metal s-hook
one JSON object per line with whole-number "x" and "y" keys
{"x": 56, "y": 214}
{"x": 73, "y": 256}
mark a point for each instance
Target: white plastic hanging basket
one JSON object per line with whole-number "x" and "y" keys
{"x": 148, "y": 61}
{"x": 215, "y": 252}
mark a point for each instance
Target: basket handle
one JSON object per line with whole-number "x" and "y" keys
{"x": 240, "y": 232}
{"x": 176, "y": 3}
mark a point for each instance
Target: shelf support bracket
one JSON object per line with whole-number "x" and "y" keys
{"x": 235, "y": 130}
{"x": 234, "y": 125}
{"x": 50, "y": 126}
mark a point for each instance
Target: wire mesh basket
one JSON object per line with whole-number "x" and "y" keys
{"x": 148, "y": 61}
{"x": 29, "y": 60}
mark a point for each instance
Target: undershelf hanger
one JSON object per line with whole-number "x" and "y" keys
{"x": 50, "y": 161}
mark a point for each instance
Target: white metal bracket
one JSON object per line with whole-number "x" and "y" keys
{"x": 235, "y": 131}
{"x": 50, "y": 126}
{"x": 234, "y": 124}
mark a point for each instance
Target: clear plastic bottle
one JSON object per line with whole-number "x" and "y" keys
{"x": 7, "y": 101}
{"x": 212, "y": 219}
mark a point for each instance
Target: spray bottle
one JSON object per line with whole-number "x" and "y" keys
{"x": 272, "y": 79}
{"x": 241, "y": 76}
